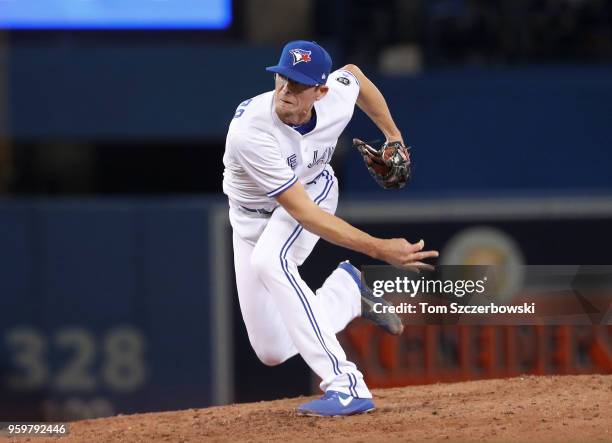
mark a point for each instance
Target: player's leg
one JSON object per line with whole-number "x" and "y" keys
{"x": 341, "y": 299}
{"x": 265, "y": 327}
{"x": 282, "y": 247}
{"x": 339, "y": 294}
{"x": 347, "y": 278}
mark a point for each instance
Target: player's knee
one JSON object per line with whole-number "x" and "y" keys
{"x": 270, "y": 357}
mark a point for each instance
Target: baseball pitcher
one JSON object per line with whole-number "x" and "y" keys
{"x": 282, "y": 196}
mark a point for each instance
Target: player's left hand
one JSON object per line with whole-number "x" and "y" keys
{"x": 389, "y": 165}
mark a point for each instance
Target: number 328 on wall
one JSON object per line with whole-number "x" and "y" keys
{"x": 120, "y": 353}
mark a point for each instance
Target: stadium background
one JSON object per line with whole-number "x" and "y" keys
{"x": 116, "y": 291}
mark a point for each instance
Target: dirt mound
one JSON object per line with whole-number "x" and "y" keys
{"x": 537, "y": 409}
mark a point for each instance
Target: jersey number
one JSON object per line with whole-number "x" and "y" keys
{"x": 241, "y": 107}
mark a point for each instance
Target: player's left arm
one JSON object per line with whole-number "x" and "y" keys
{"x": 371, "y": 101}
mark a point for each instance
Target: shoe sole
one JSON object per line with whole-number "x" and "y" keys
{"x": 312, "y": 414}
{"x": 388, "y": 326}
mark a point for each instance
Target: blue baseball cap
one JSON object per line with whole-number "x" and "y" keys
{"x": 304, "y": 62}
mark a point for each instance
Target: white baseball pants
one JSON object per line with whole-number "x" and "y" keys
{"x": 283, "y": 316}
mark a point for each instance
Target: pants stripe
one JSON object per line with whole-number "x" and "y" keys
{"x": 351, "y": 377}
{"x": 284, "y": 250}
{"x": 353, "y": 384}
{"x": 295, "y": 234}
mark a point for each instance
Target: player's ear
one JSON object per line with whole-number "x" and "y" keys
{"x": 321, "y": 91}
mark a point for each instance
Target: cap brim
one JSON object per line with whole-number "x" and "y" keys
{"x": 293, "y": 75}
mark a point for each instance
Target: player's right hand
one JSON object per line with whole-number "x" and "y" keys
{"x": 400, "y": 253}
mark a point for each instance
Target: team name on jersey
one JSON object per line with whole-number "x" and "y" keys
{"x": 324, "y": 158}
{"x": 292, "y": 161}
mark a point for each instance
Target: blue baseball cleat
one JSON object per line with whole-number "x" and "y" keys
{"x": 390, "y": 322}
{"x": 334, "y": 404}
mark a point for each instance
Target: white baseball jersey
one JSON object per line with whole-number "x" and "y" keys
{"x": 263, "y": 156}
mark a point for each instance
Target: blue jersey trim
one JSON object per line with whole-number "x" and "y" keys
{"x": 282, "y": 187}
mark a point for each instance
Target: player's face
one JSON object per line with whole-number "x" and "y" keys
{"x": 293, "y": 101}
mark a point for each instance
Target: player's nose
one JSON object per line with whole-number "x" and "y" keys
{"x": 287, "y": 92}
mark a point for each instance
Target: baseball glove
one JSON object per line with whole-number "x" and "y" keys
{"x": 389, "y": 165}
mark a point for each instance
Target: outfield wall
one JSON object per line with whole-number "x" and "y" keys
{"x": 122, "y": 305}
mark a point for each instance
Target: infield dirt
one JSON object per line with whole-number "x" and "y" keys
{"x": 535, "y": 409}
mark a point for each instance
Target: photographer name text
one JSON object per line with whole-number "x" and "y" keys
{"x": 453, "y": 308}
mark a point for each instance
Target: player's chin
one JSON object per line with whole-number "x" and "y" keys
{"x": 284, "y": 110}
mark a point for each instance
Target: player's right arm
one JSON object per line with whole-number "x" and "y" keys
{"x": 396, "y": 251}
{"x": 258, "y": 154}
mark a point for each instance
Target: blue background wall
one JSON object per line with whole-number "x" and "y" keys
{"x": 474, "y": 130}
{"x": 102, "y": 268}
{"x": 477, "y": 130}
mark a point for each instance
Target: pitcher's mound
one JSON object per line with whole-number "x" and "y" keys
{"x": 535, "y": 409}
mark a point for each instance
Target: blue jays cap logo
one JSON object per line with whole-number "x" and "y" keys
{"x": 299, "y": 55}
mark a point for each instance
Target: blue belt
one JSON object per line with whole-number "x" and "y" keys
{"x": 265, "y": 212}
{"x": 314, "y": 180}
{"x": 258, "y": 211}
